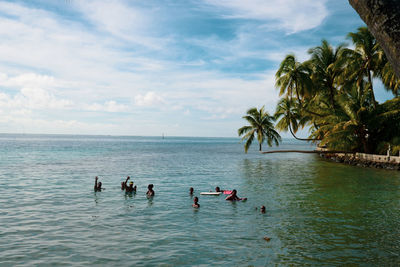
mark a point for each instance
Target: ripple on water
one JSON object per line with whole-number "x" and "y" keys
{"x": 318, "y": 213}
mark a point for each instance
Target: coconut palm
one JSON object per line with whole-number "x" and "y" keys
{"x": 389, "y": 79}
{"x": 261, "y": 126}
{"x": 290, "y": 118}
{"x": 365, "y": 58}
{"x": 293, "y": 78}
{"x": 328, "y": 64}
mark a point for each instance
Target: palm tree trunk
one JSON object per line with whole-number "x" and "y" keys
{"x": 298, "y": 96}
{"x": 259, "y": 146}
{"x": 301, "y": 139}
{"x": 371, "y": 88}
{"x": 332, "y": 96}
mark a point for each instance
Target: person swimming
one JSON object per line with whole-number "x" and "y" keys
{"x": 97, "y": 185}
{"x": 150, "y": 191}
{"x": 234, "y": 197}
{"x": 225, "y": 192}
{"x": 196, "y": 203}
{"x": 131, "y": 188}
{"x": 191, "y": 190}
{"x": 124, "y": 184}
{"x": 262, "y": 209}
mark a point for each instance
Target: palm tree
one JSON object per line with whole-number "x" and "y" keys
{"x": 366, "y": 57}
{"x": 293, "y": 77}
{"x": 328, "y": 64}
{"x": 389, "y": 79}
{"x": 261, "y": 125}
{"x": 291, "y": 118}
{"x": 348, "y": 127}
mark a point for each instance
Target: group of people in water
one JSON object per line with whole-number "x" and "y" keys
{"x": 124, "y": 186}
{"x": 232, "y": 195}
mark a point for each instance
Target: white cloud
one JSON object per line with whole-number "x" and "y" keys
{"x": 90, "y": 66}
{"x": 33, "y": 98}
{"x": 149, "y": 99}
{"x": 290, "y": 15}
{"x": 108, "y": 106}
{"x": 121, "y": 20}
{"x": 27, "y": 80}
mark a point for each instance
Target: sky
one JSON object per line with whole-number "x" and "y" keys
{"x": 147, "y": 68}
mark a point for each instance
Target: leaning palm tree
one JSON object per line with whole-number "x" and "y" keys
{"x": 261, "y": 125}
{"x": 290, "y": 117}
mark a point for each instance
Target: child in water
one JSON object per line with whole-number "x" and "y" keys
{"x": 150, "y": 191}
{"x": 191, "y": 190}
{"x": 196, "y": 203}
{"x": 234, "y": 197}
{"x": 97, "y": 185}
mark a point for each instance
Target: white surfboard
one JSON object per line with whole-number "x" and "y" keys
{"x": 211, "y": 193}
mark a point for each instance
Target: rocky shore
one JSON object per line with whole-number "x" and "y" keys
{"x": 353, "y": 160}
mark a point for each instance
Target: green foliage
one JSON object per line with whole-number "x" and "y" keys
{"x": 332, "y": 93}
{"x": 261, "y": 126}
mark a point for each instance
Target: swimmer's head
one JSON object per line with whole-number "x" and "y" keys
{"x": 131, "y": 183}
{"x": 191, "y": 190}
{"x": 217, "y": 189}
{"x": 234, "y": 192}
{"x": 262, "y": 209}
{"x": 150, "y": 186}
{"x": 195, "y": 199}
{"x": 99, "y": 184}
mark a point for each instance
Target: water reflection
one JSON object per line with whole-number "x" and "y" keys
{"x": 327, "y": 212}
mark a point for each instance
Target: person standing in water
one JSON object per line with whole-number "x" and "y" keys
{"x": 97, "y": 185}
{"x": 124, "y": 184}
{"x": 150, "y": 191}
{"x": 131, "y": 188}
{"x": 234, "y": 197}
{"x": 196, "y": 203}
{"x": 191, "y": 190}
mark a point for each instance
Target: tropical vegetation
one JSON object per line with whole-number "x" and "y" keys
{"x": 261, "y": 126}
{"x": 333, "y": 95}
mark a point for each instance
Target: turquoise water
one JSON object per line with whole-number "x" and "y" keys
{"x": 318, "y": 212}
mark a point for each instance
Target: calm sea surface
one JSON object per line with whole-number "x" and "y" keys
{"x": 318, "y": 212}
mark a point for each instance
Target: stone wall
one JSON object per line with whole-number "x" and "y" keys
{"x": 364, "y": 160}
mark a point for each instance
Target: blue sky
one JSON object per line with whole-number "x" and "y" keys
{"x": 182, "y": 67}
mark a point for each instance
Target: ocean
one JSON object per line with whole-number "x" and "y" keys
{"x": 317, "y": 212}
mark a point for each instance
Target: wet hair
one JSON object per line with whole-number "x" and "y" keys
{"x": 217, "y": 189}
{"x": 150, "y": 186}
{"x": 234, "y": 191}
{"x": 191, "y": 189}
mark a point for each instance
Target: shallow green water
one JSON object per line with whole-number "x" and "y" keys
{"x": 318, "y": 212}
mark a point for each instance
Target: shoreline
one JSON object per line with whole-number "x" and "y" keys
{"x": 364, "y": 160}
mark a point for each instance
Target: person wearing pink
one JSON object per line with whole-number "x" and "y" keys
{"x": 234, "y": 197}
